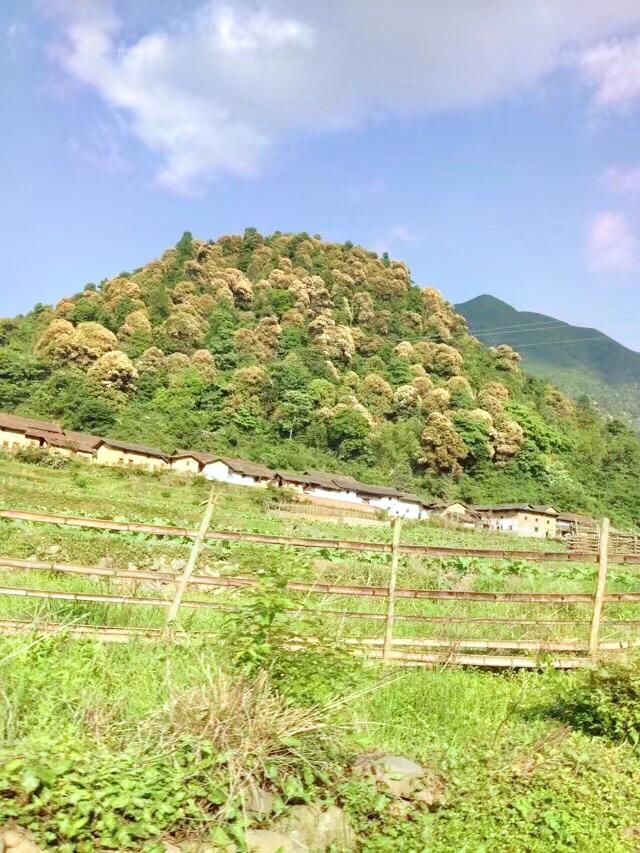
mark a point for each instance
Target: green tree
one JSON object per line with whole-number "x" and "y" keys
{"x": 294, "y": 412}
{"x": 348, "y": 432}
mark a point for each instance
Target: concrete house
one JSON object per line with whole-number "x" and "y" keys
{"x": 522, "y": 519}
{"x": 570, "y": 523}
{"x": 114, "y": 452}
{"x": 68, "y": 443}
{"x": 82, "y": 444}
{"x": 444, "y": 509}
{"x": 239, "y": 472}
{"x": 292, "y": 480}
{"x": 191, "y": 461}
{"x": 333, "y": 486}
{"x": 17, "y": 432}
{"x": 395, "y": 502}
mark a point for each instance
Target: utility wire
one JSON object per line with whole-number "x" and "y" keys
{"x": 599, "y": 338}
{"x": 517, "y": 330}
{"x": 520, "y": 326}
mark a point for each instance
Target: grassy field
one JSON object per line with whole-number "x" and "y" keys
{"x": 515, "y": 778}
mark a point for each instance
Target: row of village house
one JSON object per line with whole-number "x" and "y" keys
{"x": 332, "y": 490}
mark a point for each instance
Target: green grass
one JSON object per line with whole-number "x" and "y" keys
{"x": 515, "y": 779}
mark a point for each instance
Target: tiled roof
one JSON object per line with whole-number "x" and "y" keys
{"x": 379, "y": 491}
{"x": 69, "y": 438}
{"x": 20, "y": 424}
{"x": 414, "y": 499}
{"x": 244, "y": 466}
{"x": 319, "y": 478}
{"x": 431, "y": 504}
{"x": 293, "y": 477}
{"x": 82, "y": 440}
{"x": 502, "y": 507}
{"x": 128, "y": 447}
{"x": 346, "y": 482}
{"x": 538, "y": 509}
{"x": 576, "y": 517}
{"x": 544, "y": 509}
{"x": 200, "y": 456}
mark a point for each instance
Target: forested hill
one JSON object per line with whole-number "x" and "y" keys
{"x": 302, "y": 353}
{"x": 579, "y": 360}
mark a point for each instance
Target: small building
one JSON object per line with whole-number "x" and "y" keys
{"x": 395, "y": 502}
{"x": 111, "y": 451}
{"x": 239, "y": 472}
{"x": 444, "y": 509}
{"x": 83, "y": 444}
{"x": 191, "y": 461}
{"x": 339, "y": 487}
{"x": 571, "y": 523}
{"x": 292, "y": 480}
{"x": 68, "y": 443}
{"x": 522, "y": 519}
{"x": 17, "y": 432}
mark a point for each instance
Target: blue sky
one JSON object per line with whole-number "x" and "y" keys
{"x": 493, "y": 146}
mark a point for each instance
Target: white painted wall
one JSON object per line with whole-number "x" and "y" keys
{"x": 220, "y": 471}
{"x": 334, "y": 494}
{"x": 397, "y": 507}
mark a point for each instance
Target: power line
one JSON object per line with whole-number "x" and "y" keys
{"x": 520, "y": 326}
{"x": 602, "y": 339}
{"x": 516, "y": 330}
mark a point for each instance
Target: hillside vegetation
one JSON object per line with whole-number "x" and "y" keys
{"x": 302, "y": 353}
{"x": 577, "y": 359}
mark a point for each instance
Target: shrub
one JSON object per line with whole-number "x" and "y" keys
{"x": 304, "y": 664}
{"x": 43, "y": 457}
{"x": 605, "y": 701}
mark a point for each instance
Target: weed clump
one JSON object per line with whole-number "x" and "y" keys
{"x": 273, "y": 633}
{"x": 42, "y": 457}
{"x": 605, "y": 701}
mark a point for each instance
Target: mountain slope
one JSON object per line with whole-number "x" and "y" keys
{"x": 578, "y": 359}
{"x": 301, "y": 353}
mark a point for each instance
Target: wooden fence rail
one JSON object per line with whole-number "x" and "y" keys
{"x": 320, "y": 588}
{"x": 405, "y": 651}
{"x": 305, "y": 542}
{"x": 447, "y": 656}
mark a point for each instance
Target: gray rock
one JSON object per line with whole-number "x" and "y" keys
{"x": 259, "y": 802}
{"x": 268, "y": 841}
{"x": 404, "y": 778}
{"x": 318, "y": 829}
{"x": 398, "y": 766}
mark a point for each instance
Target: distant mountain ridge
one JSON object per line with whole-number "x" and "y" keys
{"x": 578, "y": 359}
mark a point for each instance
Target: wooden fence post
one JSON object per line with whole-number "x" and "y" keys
{"x": 391, "y": 596}
{"x": 183, "y": 583}
{"x": 600, "y": 588}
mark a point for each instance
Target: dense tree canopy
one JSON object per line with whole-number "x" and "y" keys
{"x": 300, "y": 352}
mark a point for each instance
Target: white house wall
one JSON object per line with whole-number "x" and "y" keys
{"x": 220, "y": 471}
{"x": 396, "y": 507}
{"x": 334, "y": 495}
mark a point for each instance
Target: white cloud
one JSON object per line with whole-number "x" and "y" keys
{"x": 215, "y": 92}
{"x": 624, "y": 181}
{"x": 405, "y": 234}
{"x": 611, "y": 243}
{"x": 101, "y": 147}
{"x": 398, "y": 233}
{"x": 613, "y": 71}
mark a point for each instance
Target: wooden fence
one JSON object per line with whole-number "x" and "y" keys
{"x": 407, "y": 651}
{"x": 619, "y": 542}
